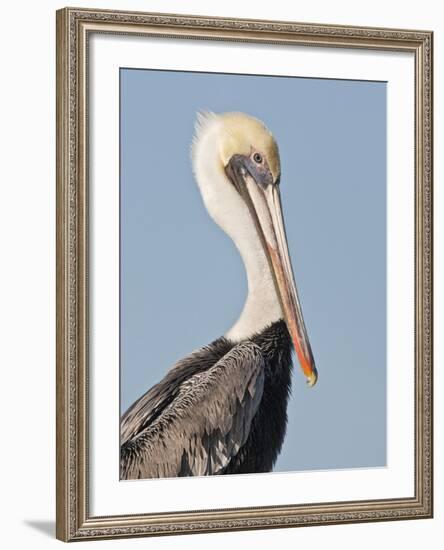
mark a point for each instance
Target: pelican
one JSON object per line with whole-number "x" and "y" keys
{"x": 223, "y": 408}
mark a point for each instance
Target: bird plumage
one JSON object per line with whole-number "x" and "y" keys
{"x": 217, "y": 136}
{"x": 221, "y": 410}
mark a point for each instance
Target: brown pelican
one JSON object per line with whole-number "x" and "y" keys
{"x": 223, "y": 409}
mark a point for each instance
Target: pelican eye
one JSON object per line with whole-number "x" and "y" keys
{"x": 257, "y": 158}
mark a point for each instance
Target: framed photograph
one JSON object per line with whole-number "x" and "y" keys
{"x": 244, "y": 274}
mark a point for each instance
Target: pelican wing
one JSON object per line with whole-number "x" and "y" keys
{"x": 149, "y": 406}
{"x": 203, "y": 425}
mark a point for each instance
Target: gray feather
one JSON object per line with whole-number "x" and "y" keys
{"x": 202, "y": 423}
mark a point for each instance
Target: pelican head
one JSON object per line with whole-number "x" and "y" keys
{"x": 237, "y": 167}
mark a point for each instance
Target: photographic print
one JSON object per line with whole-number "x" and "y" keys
{"x": 226, "y": 182}
{"x": 244, "y": 260}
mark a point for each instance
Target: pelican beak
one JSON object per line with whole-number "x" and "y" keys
{"x": 263, "y": 200}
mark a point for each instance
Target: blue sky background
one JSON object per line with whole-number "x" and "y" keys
{"x": 183, "y": 282}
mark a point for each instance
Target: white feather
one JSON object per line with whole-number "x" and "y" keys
{"x": 229, "y": 211}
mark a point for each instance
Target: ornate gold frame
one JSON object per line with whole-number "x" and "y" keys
{"x": 73, "y": 519}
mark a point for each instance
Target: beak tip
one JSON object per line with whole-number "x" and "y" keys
{"x": 312, "y": 378}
